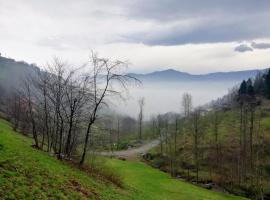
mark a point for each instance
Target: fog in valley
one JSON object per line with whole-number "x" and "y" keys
{"x": 162, "y": 97}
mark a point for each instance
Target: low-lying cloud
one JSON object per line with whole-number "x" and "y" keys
{"x": 243, "y": 48}
{"x": 252, "y": 46}
{"x": 260, "y": 45}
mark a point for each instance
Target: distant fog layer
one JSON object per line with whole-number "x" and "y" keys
{"x": 162, "y": 97}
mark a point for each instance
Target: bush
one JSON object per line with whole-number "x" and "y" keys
{"x": 267, "y": 169}
{"x": 159, "y": 161}
{"x": 122, "y": 146}
{"x": 97, "y": 167}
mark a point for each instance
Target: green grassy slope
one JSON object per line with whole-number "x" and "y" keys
{"x": 27, "y": 173}
{"x": 152, "y": 184}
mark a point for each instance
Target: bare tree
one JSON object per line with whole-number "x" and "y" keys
{"x": 57, "y": 86}
{"x": 216, "y": 122}
{"x": 76, "y": 98}
{"x": 103, "y": 74}
{"x": 14, "y": 109}
{"x": 140, "y": 117}
{"x": 159, "y": 130}
{"x": 31, "y": 113}
{"x": 118, "y": 132}
{"x": 196, "y": 117}
{"x": 41, "y": 84}
{"x": 187, "y": 104}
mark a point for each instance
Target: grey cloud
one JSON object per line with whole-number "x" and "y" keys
{"x": 208, "y": 31}
{"x": 222, "y": 21}
{"x": 171, "y": 9}
{"x": 156, "y": 20}
{"x": 243, "y": 48}
{"x": 260, "y": 45}
{"x": 225, "y": 21}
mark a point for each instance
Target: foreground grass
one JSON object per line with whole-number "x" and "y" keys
{"x": 27, "y": 173}
{"x": 152, "y": 184}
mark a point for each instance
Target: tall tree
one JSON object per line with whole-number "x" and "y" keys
{"x": 243, "y": 88}
{"x": 31, "y": 113}
{"x": 140, "y": 117}
{"x": 267, "y": 84}
{"x": 187, "y": 104}
{"x": 196, "y": 118}
{"x": 103, "y": 74}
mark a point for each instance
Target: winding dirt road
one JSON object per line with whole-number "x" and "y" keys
{"x": 132, "y": 153}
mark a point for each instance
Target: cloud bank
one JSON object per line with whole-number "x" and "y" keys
{"x": 189, "y": 35}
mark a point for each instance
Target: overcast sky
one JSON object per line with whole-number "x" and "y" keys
{"x": 196, "y": 36}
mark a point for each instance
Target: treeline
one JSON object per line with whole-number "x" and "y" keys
{"x": 260, "y": 86}
{"x": 60, "y": 104}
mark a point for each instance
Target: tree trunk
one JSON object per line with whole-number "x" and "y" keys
{"x": 68, "y": 143}
{"x": 85, "y": 143}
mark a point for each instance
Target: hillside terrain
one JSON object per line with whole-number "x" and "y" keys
{"x": 13, "y": 73}
{"x": 152, "y": 184}
{"x": 27, "y": 173}
{"x": 218, "y": 142}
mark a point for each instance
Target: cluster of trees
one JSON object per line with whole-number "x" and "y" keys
{"x": 260, "y": 86}
{"x": 60, "y": 104}
{"x": 225, "y": 143}
{"x": 115, "y": 132}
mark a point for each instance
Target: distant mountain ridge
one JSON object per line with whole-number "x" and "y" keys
{"x": 174, "y": 75}
{"x": 13, "y": 72}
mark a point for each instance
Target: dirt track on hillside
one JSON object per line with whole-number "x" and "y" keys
{"x": 132, "y": 153}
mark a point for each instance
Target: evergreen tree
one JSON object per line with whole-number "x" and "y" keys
{"x": 267, "y": 84}
{"x": 259, "y": 84}
{"x": 250, "y": 88}
{"x": 243, "y": 88}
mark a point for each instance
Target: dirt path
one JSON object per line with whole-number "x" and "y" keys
{"x": 132, "y": 153}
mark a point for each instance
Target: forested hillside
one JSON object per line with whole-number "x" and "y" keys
{"x": 13, "y": 73}
{"x": 12, "y": 76}
{"x": 224, "y": 144}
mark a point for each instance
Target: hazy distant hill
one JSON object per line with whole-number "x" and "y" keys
{"x": 173, "y": 75}
{"x": 167, "y": 86}
{"x": 13, "y": 73}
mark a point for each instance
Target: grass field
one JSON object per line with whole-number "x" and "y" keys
{"x": 152, "y": 184}
{"x": 27, "y": 173}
